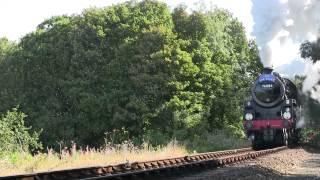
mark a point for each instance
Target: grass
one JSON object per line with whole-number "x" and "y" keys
{"x": 217, "y": 141}
{"x": 21, "y": 162}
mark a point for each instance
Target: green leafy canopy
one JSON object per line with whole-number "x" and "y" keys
{"x": 137, "y": 66}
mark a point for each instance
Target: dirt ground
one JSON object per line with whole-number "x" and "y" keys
{"x": 298, "y": 163}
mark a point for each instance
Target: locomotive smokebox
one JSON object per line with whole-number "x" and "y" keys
{"x": 270, "y": 116}
{"x": 267, "y": 70}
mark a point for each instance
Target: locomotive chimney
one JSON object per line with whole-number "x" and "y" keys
{"x": 267, "y": 70}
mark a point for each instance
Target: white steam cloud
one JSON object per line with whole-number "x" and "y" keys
{"x": 279, "y": 23}
{"x": 280, "y": 26}
{"x": 311, "y": 83}
{"x": 301, "y": 122}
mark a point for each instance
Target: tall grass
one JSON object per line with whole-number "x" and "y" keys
{"x": 17, "y": 163}
{"x": 75, "y": 157}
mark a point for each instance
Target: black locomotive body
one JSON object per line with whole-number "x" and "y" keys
{"x": 271, "y": 114}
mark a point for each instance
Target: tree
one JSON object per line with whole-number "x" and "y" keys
{"x": 311, "y": 50}
{"x": 6, "y": 47}
{"x": 134, "y": 66}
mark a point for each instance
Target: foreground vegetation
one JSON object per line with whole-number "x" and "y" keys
{"x": 19, "y": 149}
{"x": 20, "y": 163}
{"x": 20, "y": 153}
{"x": 75, "y": 157}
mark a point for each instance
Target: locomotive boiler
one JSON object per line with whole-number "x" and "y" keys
{"x": 271, "y": 114}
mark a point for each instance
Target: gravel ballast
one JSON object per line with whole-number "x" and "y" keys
{"x": 295, "y": 163}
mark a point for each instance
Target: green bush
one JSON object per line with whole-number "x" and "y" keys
{"x": 14, "y": 135}
{"x": 216, "y": 141}
{"x": 311, "y": 136}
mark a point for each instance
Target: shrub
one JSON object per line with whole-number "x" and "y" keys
{"x": 14, "y": 135}
{"x": 215, "y": 141}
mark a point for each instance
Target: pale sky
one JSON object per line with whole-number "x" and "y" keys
{"x": 19, "y": 17}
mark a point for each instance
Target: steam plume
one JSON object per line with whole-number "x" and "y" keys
{"x": 269, "y": 18}
{"x": 279, "y": 22}
{"x": 312, "y": 78}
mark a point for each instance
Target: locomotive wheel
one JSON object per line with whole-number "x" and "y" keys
{"x": 285, "y": 143}
{"x": 291, "y": 139}
{"x": 257, "y": 143}
{"x": 281, "y": 138}
{"x": 285, "y": 137}
{"x": 294, "y": 138}
{"x": 291, "y": 142}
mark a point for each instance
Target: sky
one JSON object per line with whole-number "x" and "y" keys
{"x": 17, "y": 18}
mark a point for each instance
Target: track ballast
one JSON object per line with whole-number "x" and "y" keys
{"x": 134, "y": 169}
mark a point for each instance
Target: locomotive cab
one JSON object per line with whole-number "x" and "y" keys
{"x": 270, "y": 115}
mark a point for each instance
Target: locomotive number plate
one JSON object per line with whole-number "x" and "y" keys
{"x": 267, "y": 85}
{"x": 267, "y": 77}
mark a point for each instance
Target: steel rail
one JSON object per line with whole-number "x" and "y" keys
{"x": 215, "y": 159}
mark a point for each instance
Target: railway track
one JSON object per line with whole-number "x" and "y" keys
{"x": 134, "y": 169}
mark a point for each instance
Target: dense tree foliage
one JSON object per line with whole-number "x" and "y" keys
{"x": 310, "y": 107}
{"x": 134, "y": 67}
{"x": 311, "y": 50}
{"x": 6, "y": 47}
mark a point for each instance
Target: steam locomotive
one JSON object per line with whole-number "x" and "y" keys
{"x": 271, "y": 114}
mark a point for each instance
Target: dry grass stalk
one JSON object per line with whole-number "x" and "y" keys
{"x": 20, "y": 163}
